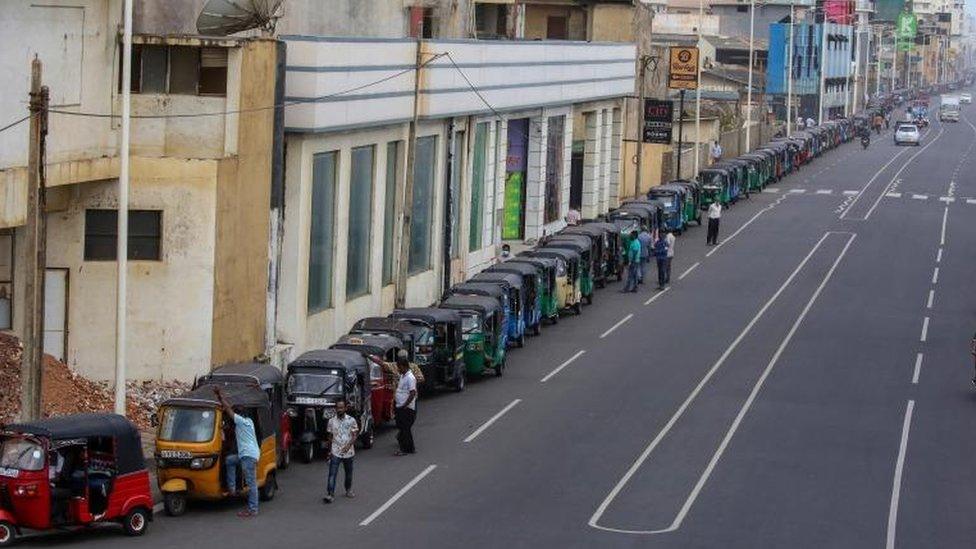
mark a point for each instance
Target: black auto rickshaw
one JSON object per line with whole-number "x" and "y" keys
{"x": 485, "y": 332}
{"x": 382, "y": 381}
{"x": 417, "y": 341}
{"x": 612, "y": 248}
{"x": 444, "y": 362}
{"x": 584, "y": 246}
{"x": 315, "y": 381}
{"x": 532, "y": 285}
{"x": 545, "y": 268}
{"x": 606, "y": 261}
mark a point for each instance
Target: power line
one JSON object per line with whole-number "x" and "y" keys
{"x": 14, "y": 123}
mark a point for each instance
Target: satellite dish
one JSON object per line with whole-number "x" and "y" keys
{"x": 225, "y": 17}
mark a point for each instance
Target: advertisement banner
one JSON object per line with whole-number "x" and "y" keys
{"x": 683, "y": 68}
{"x": 658, "y": 121}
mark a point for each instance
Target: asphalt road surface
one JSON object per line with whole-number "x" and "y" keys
{"x": 804, "y": 384}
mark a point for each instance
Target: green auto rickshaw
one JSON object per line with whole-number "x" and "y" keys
{"x": 692, "y": 203}
{"x": 757, "y": 171}
{"x": 716, "y": 186}
{"x": 584, "y": 246}
{"x": 545, "y": 268}
{"x": 612, "y": 245}
{"x": 484, "y": 331}
{"x": 568, "y": 294}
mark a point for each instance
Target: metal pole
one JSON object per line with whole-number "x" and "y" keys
{"x": 681, "y": 127}
{"x": 701, "y": 18}
{"x": 823, "y": 68}
{"x": 122, "y": 246}
{"x": 877, "y": 71}
{"x": 789, "y": 78}
{"x": 894, "y": 61}
{"x": 857, "y": 65}
{"x": 405, "y": 205}
{"x": 641, "y": 95}
{"x": 752, "y": 36}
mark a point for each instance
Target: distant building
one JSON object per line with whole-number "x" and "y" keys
{"x": 809, "y": 58}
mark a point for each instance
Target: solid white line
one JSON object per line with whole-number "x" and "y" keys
{"x": 657, "y": 295}
{"x": 617, "y": 325}
{"x": 825, "y": 191}
{"x": 931, "y": 297}
{"x": 561, "y": 366}
{"x": 893, "y": 195}
{"x": 920, "y": 196}
{"x": 971, "y": 201}
{"x": 798, "y": 191}
{"x": 935, "y": 276}
{"x": 593, "y": 522}
{"x": 925, "y": 330}
{"x": 905, "y": 165}
{"x": 744, "y": 225}
{"x": 899, "y": 468}
{"x": 852, "y": 193}
{"x": 860, "y": 193}
{"x": 938, "y": 256}
{"x": 688, "y": 270}
{"x": 398, "y": 495}
{"x": 493, "y": 419}
{"x": 945, "y": 217}
{"x": 918, "y": 368}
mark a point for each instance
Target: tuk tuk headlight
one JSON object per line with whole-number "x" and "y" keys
{"x": 26, "y": 490}
{"x": 291, "y": 412}
{"x": 199, "y": 463}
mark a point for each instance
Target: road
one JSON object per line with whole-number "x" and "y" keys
{"x": 804, "y": 384}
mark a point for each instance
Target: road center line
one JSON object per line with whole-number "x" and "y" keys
{"x": 617, "y": 325}
{"x": 935, "y": 276}
{"x": 895, "y": 177}
{"x": 493, "y": 419}
{"x": 928, "y": 305}
{"x": 595, "y": 519}
{"x": 938, "y": 256}
{"x": 918, "y": 368}
{"x": 398, "y": 495}
{"x": 860, "y": 193}
{"x": 896, "y": 483}
{"x": 945, "y": 217}
{"x": 925, "y": 329}
{"x": 561, "y": 366}
{"x": 689, "y": 269}
{"x": 657, "y": 295}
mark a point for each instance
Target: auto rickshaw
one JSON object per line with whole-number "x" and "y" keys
{"x": 532, "y": 289}
{"x": 715, "y": 186}
{"x": 191, "y": 444}
{"x": 315, "y": 381}
{"x": 673, "y": 198}
{"x": 546, "y": 273}
{"x": 754, "y": 171}
{"x": 595, "y": 239}
{"x": 417, "y": 341}
{"x": 612, "y": 245}
{"x": 568, "y": 294}
{"x": 518, "y": 292}
{"x": 741, "y": 182}
{"x": 483, "y": 330}
{"x": 382, "y": 382}
{"x": 583, "y": 245}
{"x": 514, "y": 323}
{"x": 72, "y": 472}
{"x": 654, "y": 207}
{"x": 444, "y": 351}
{"x": 692, "y": 200}
{"x": 268, "y": 379}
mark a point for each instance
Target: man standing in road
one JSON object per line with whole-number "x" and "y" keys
{"x": 405, "y": 403}
{"x": 664, "y": 252}
{"x": 248, "y": 453}
{"x": 647, "y": 243}
{"x": 633, "y": 262}
{"x": 344, "y": 429}
{"x": 714, "y": 216}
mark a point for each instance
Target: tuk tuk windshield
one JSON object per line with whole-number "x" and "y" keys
{"x": 470, "y": 324}
{"x": 18, "y": 453}
{"x": 185, "y": 424}
{"x": 315, "y": 384}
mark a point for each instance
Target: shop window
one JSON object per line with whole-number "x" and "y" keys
{"x": 389, "y": 208}
{"x": 6, "y": 280}
{"x": 479, "y": 175}
{"x": 178, "y": 70}
{"x": 554, "y": 166}
{"x": 322, "y": 231}
{"x": 101, "y": 235}
{"x": 422, "y": 206}
{"x": 360, "y": 221}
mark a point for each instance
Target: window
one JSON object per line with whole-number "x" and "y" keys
{"x": 389, "y": 208}
{"x": 554, "y": 167}
{"x": 360, "y": 221}
{"x": 422, "y": 206}
{"x": 457, "y": 171}
{"x": 491, "y": 20}
{"x": 6, "y": 280}
{"x": 423, "y": 23}
{"x": 322, "y": 232}
{"x": 557, "y": 28}
{"x": 183, "y": 70}
{"x": 479, "y": 172}
{"x": 101, "y": 235}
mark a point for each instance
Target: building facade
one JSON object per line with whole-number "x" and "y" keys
{"x": 812, "y": 53}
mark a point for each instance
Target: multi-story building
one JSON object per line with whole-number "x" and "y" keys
{"x": 813, "y": 54}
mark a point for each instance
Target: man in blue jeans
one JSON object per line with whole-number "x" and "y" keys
{"x": 247, "y": 456}
{"x": 633, "y": 257}
{"x": 344, "y": 430}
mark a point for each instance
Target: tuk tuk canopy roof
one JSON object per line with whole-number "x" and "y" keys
{"x": 478, "y": 288}
{"x": 374, "y": 344}
{"x": 128, "y": 455}
{"x": 521, "y": 268}
{"x": 512, "y": 279}
{"x": 429, "y": 315}
{"x": 563, "y": 253}
{"x": 332, "y": 358}
{"x": 478, "y": 303}
{"x": 248, "y": 396}
{"x": 389, "y": 325}
{"x": 262, "y": 374}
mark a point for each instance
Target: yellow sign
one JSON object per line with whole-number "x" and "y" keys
{"x": 683, "y": 69}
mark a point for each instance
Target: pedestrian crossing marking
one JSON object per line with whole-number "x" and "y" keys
{"x": 851, "y": 193}
{"x": 825, "y": 191}
{"x": 798, "y": 190}
{"x": 920, "y": 196}
{"x": 894, "y": 195}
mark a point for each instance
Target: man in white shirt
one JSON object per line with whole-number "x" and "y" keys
{"x": 716, "y": 152}
{"x": 405, "y": 405}
{"x": 811, "y": 123}
{"x": 714, "y": 216}
{"x": 344, "y": 429}
{"x": 573, "y": 217}
{"x": 669, "y": 238}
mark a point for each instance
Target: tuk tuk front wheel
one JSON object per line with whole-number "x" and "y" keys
{"x": 174, "y": 503}
{"x": 459, "y": 382}
{"x": 267, "y": 492}
{"x": 7, "y": 534}
{"x": 308, "y": 452}
{"x": 285, "y": 459}
{"x": 136, "y": 522}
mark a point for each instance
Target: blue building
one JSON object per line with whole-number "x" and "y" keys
{"x": 807, "y": 62}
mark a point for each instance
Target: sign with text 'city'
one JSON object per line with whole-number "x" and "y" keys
{"x": 658, "y": 121}
{"x": 683, "y": 68}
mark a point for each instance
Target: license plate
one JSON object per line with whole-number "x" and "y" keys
{"x": 10, "y": 473}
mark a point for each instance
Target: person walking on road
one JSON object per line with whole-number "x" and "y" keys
{"x": 714, "y": 217}
{"x": 405, "y": 402}
{"x": 663, "y": 252}
{"x": 248, "y": 453}
{"x": 647, "y": 245}
{"x": 633, "y": 262}
{"x": 343, "y": 429}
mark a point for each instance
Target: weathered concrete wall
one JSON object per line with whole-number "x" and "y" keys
{"x": 537, "y": 17}
{"x": 242, "y": 202}
{"x": 612, "y": 23}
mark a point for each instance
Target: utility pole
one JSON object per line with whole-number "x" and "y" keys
{"x": 701, "y": 20}
{"x": 405, "y": 204}
{"x": 681, "y": 133}
{"x": 752, "y": 34}
{"x": 641, "y": 95}
{"x": 877, "y": 68}
{"x": 789, "y": 77}
{"x": 857, "y": 65}
{"x": 32, "y": 365}
{"x": 122, "y": 245}
{"x": 823, "y": 68}
{"x": 894, "y": 61}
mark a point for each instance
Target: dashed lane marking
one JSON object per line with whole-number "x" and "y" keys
{"x": 928, "y": 304}
{"x": 825, "y": 191}
{"x": 851, "y": 193}
{"x": 493, "y": 419}
{"x": 617, "y": 325}
{"x": 918, "y": 368}
{"x": 920, "y": 196}
{"x": 771, "y": 190}
{"x": 925, "y": 330}
{"x": 893, "y": 195}
{"x": 561, "y": 366}
{"x": 688, "y": 270}
{"x": 971, "y": 201}
{"x": 389, "y": 503}
{"x": 798, "y": 191}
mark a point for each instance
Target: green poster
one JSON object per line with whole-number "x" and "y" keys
{"x": 907, "y": 26}
{"x": 512, "y": 220}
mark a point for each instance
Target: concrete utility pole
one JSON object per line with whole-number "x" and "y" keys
{"x": 752, "y": 36}
{"x": 857, "y": 66}
{"x": 32, "y": 364}
{"x": 122, "y": 246}
{"x": 823, "y": 69}
{"x": 894, "y": 61}
{"x": 877, "y": 68}
{"x": 789, "y": 76}
{"x": 701, "y": 20}
{"x": 641, "y": 95}
{"x": 405, "y": 204}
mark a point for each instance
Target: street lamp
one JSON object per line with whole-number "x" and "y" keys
{"x": 752, "y": 36}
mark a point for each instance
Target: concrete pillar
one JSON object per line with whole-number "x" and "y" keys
{"x": 535, "y": 179}
{"x": 616, "y": 140}
{"x": 567, "y": 164}
{"x": 605, "y": 136}
{"x": 593, "y": 122}
{"x": 501, "y": 145}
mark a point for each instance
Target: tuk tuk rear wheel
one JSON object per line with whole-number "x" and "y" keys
{"x": 459, "y": 382}
{"x": 7, "y": 534}
{"x": 136, "y": 522}
{"x": 267, "y": 492}
{"x": 308, "y": 452}
{"x": 285, "y": 459}
{"x": 174, "y": 503}
{"x": 578, "y": 308}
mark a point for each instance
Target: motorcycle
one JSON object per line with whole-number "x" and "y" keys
{"x": 865, "y": 141}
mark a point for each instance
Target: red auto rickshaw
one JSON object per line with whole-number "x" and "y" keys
{"x": 382, "y": 381}
{"x": 71, "y": 472}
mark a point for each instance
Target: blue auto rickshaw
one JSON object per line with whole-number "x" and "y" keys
{"x": 672, "y": 198}
{"x": 497, "y": 292}
{"x": 515, "y": 289}
{"x": 533, "y": 283}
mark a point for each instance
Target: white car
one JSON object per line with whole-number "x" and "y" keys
{"x": 965, "y": 98}
{"x": 907, "y": 133}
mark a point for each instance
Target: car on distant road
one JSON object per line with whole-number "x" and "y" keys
{"x": 907, "y": 134}
{"x": 965, "y": 98}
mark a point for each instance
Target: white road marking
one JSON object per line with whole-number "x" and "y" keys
{"x": 617, "y": 325}
{"x": 860, "y": 193}
{"x": 594, "y": 520}
{"x": 918, "y": 368}
{"x": 905, "y": 165}
{"x": 561, "y": 366}
{"x": 771, "y": 190}
{"x": 798, "y": 191}
{"x": 825, "y": 191}
{"x": 945, "y": 217}
{"x": 657, "y": 295}
{"x": 938, "y": 256}
{"x": 931, "y": 297}
{"x": 899, "y": 468}
{"x": 493, "y": 419}
{"x": 920, "y": 196}
{"x": 852, "y": 193}
{"x": 744, "y": 225}
{"x": 971, "y": 201}
{"x": 925, "y": 330}
{"x": 689, "y": 269}
{"x": 398, "y": 495}
{"x": 893, "y": 195}
{"x": 935, "y": 276}
{"x": 946, "y": 199}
